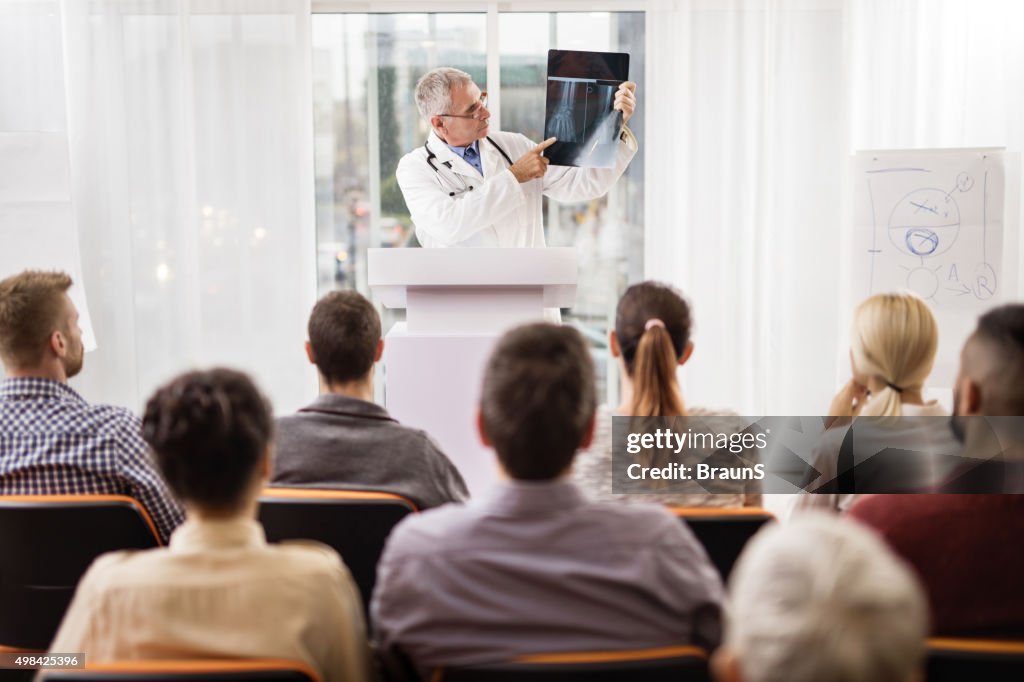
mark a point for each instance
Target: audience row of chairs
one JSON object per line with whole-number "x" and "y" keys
{"x": 35, "y": 589}
{"x": 949, "y": 660}
{"x": 354, "y": 523}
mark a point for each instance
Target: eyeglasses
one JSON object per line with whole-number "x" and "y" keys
{"x": 481, "y": 106}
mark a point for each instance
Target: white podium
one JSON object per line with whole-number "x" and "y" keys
{"x": 458, "y": 302}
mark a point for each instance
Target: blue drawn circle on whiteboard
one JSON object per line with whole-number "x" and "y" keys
{"x": 923, "y": 211}
{"x": 921, "y": 241}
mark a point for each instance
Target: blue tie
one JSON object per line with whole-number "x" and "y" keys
{"x": 473, "y": 159}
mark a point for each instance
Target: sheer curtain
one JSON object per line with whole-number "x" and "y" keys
{"x": 747, "y": 114}
{"x": 753, "y": 110}
{"x": 189, "y": 135}
{"x": 190, "y": 130}
{"x": 35, "y": 182}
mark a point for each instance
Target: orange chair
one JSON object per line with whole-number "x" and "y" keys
{"x": 356, "y": 523}
{"x": 955, "y": 659}
{"x": 261, "y": 670}
{"x": 46, "y": 544}
{"x": 664, "y": 664}
{"x": 723, "y": 531}
{"x": 14, "y": 675}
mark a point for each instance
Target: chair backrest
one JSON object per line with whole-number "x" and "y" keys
{"x": 262, "y": 670}
{"x": 952, "y": 659}
{"x": 46, "y": 544}
{"x": 355, "y": 523}
{"x": 723, "y": 531}
{"x": 664, "y": 664}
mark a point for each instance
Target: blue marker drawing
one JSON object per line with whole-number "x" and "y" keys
{"x": 931, "y": 228}
{"x": 984, "y": 218}
{"x": 922, "y": 242}
{"x": 874, "y": 240}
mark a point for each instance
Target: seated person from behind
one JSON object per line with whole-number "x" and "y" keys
{"x": 650, "y": 341}
{"x": 535, "y": 566}
{"x": 343, "y": 439}
{"x": 821, "y": 599}
{"x": 966, "y": 548}
{"x": 892, "y": 349}
{"x": 54, "y": 442}
{"x": 219, "y": 590}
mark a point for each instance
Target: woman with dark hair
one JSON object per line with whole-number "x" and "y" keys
{"x": 650, "y": 341}
{"x": 218, "y": 590}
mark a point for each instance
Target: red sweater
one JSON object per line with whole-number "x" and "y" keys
{"x": 968, "y": 551}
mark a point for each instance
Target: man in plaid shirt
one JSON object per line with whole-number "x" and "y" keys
{"x": 51, "y": 440}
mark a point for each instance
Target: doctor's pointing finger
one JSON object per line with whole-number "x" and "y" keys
{"x": 532, "y": 165}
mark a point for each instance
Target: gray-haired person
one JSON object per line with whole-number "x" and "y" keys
{"x": 821, "y": 598}
{"x": 470, "y": 186}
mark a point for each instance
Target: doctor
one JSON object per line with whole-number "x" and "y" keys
{"x": 470, "y": 186}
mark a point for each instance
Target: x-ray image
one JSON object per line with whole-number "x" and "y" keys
{"x": 580, "y": 95}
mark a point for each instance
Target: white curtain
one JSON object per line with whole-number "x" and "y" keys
{"x": 189, "y": 129}
{"x": 753, "y": 110}
{"x": 190, "y": 145}
{"x": 37, "y": 226}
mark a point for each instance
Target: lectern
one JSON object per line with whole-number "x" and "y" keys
{"x": 458, "y": 302}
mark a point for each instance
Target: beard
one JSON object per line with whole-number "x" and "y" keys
{"x": 73, "y": 363}
{"x": 956, "y": 422}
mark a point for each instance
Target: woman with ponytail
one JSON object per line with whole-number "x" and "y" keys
{"x": 650, "y": 341}
{"x": 892, "y": 350}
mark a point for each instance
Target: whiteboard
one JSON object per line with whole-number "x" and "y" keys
{"x": 932, "y": 222}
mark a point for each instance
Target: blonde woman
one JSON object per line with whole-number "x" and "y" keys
{"x": 650, "y": 341}
{"x": 892, "y": 350}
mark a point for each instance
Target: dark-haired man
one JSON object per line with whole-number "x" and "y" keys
{"x": 52, "y": 442}
{"x": 967, "y": 549}
{"x": 344, "y": 439}
{"x": 535, "y": 566}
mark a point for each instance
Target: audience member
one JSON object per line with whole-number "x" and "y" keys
{"x": 344, "y": 439}
{"x": 967, "y": 548}
{"x": 54, "y": 442}
{"x": 650, "y": 340}
{"x": 219, "y": 590}
{"x": 892, "y": 350}
{"x": 821, "y": 599}
{"x": 534, "y": 566}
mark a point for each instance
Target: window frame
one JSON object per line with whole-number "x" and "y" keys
{"x": 492, "y": 46}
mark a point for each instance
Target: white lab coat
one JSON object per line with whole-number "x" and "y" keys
{"x": 498, "y": 211}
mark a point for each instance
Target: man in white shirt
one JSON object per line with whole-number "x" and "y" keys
{"x": 462, "y": 186}
{"x": 219, "y": 590}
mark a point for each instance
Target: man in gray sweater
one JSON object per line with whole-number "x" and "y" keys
{"x": 533, "y": 565}
{"x": 343, "y": 439}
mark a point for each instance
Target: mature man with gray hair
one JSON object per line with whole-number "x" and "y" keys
{"x": 821, "y": 598}
{"x": 470, "y": 186}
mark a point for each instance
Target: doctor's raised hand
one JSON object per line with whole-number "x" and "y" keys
{"x": 625, "y": 100}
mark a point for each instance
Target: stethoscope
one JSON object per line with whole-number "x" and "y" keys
{"x": 448, "y": 164}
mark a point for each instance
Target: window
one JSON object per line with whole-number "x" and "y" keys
{"x": 365, "y": 67}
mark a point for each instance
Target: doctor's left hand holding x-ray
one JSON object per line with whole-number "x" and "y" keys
{"x": 470, "y": 186}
